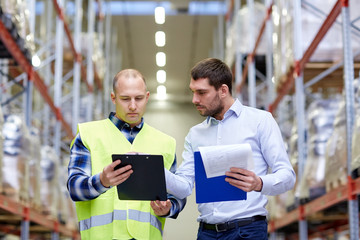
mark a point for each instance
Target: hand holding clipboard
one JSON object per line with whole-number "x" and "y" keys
{"x": 146, "y": 182}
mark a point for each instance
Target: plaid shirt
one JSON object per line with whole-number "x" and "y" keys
{"x": 83, "y": 186}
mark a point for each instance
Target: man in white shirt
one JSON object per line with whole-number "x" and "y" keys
{"x": 229, "y": 122}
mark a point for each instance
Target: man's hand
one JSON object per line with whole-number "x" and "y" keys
{"x": 244, "y": 179}
{"x": 110, "y": 177}
{"x": 161, "y": 208}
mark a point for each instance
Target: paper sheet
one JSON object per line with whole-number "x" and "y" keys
{"x": 219, "y": 159}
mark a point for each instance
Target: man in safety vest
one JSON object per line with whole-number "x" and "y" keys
{"x": 101, "y": 214}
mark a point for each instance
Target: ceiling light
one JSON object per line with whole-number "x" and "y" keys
{"x": 161, "y": 76}
{"x": 160, "y": 38}
{"x": 160, "y": 59}
{"x": 161, "y": 92}
{"x": 159, "y": 15}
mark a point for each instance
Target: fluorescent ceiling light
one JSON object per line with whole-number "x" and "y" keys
{"x": 160, "y": 15}
{"x": 141, "y": 8}
{"x": 161, "y": 76}
{"x": 160, "y": 59}
{"x": 160, "y": 38}
{"x": 161, "y": 92}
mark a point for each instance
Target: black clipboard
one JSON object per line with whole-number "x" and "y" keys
{"x": 147, "y": 182}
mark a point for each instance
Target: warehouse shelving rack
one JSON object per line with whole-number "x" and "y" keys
{"x": 294, "y": 78}
{"x": 23, "y": 219}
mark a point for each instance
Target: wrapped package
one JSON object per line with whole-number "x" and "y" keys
{"x": 336, "y": 152}
{"x": 336, "y": 156}
{"x": 282, "y": 16}
{"x": 313, "y": 14}
{"x": 15, "y": 168}
{"x": 18, "y": 12}
{"x": 1, "y": 148}
{"x": 355, "y": 161}
{"x": 238, "y": 38}
{"x": 320, "y": 120}
{"x": 49, "y": 181}
{"x": 67, "y": 214}
{"x": 34, "y": 169}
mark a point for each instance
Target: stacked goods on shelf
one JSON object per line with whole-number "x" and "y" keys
{"x": 34, "y": 169}
{"x": 320, "y": 120}
{"x": 15, "y": 168}
{"x": 277, "y": 205}
{"x": 355, "y": 163}
{"x": 336, "y": 159}
{"x": 291, "y": 202}
{"x": 16, "y": 19}
{"x": 99, "y": 73}
{"x": 1, "y": 147}
{"x": 49, "y": 177}
{"x": 238, "y": 39}
{"x": 66, "y": 205}
{"x": 329, "y": 49}
{"x": 283, "y": 56}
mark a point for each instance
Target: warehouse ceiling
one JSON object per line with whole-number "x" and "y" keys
{"x": 189, "y": 39}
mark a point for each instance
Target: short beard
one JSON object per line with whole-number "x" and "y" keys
{"x": 216, "y": 110}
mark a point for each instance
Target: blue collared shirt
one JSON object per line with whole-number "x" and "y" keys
{"x": 83, "y": 186}
{"x": 241, "y": 124}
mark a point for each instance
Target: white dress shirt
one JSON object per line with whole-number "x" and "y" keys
{"x": 241, "y": 124}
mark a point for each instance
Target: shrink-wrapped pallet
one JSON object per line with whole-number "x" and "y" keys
{"x": 313, "y": 14}
{"x": 15, "y": 168}
{"x": 1, "y": 147}
{"x": 34, "y": 169}
{"x": 336, "y": 156}
{"x": 67, "y": 214}
{"x": 238, "y": 38}
{"x": 336, "y": 152}
{"x": 320, "y": 120}
{"x": 63, "y": 207}
{"x": 355, "y": 161}
{"x": 18, "y": 12}
{"x": 49, "y": 181}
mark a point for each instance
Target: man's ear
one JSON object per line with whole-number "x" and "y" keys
{"x": 147, "y": 95}
{"x": 113, "y": 97}
{"x": 224, "y": 90}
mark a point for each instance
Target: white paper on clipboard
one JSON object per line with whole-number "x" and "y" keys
{"x": 219, "y": 159}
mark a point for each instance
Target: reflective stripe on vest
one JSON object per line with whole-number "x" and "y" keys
{"x": 108, "y": 218}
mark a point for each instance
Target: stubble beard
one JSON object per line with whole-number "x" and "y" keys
{"x": 216, "y": 108}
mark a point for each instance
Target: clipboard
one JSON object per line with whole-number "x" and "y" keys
{"x": 147, "y": 182}
{"x": 214, "y": 189}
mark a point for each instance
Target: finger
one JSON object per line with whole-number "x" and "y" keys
{"x": 116, "y": 180}
{"x": 237, "y": 176}
{"x": 239, "y": 170}
{"x": 122, "y": 170}
{"x": 153, "y": 205}
{"x": 236, "y": 183}
{"x": 113, "y": 165}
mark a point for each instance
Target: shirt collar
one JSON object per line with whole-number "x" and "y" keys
{"x": 121, "y": 124}
{"x": 235, "y": 108}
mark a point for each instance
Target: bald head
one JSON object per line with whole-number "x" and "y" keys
{"x": 126, "y": 74}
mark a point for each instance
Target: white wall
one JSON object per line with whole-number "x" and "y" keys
{"x": 176, "y": 120}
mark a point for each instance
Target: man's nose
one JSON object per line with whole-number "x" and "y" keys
{"x": 195, "y": 99}
{"x": 132, "y": 105}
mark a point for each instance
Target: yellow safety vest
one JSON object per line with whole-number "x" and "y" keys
{"x": 107, "y": 217}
